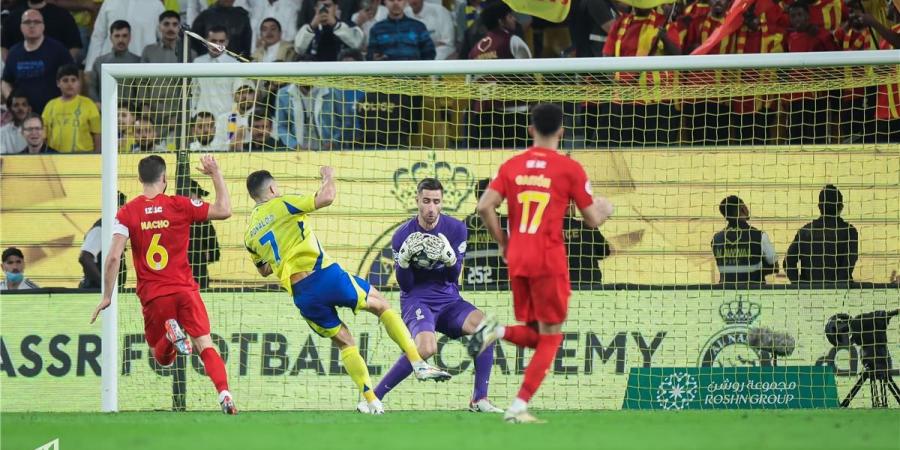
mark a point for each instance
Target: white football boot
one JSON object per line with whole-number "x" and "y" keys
{"x": 483, "y": 406}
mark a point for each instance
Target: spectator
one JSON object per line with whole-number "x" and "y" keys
{"x": 707, "y": 120}
{"x": 638, "y": 33}
{"x": 125, "y": 129}
{"x": 826, "y": 248}
{"x": 826, "y": 14}
{"x": 120, "y": 36}
{"x": 272, "y": 48}
{"x": 195, "y": 7}
{"x": 203, "y": 132}
{"x": 72, "y": 120}
{"x": 261, "y": 139}
{"x": 214, "y": 94}
{"x": 169, "y": 48}
{"x": 499, "y": 124}
{"x": 146, "y": 138}
{"x": 589, "y": 25}
{"x": 500, "y": 42}
{"x": 57, "y": 22}
{"x": 807, "y": 111}
{"x": 140, "y": 15}
{"x": 14, "y": 271}
{"x": 294, "y": 125}
{"x": 285, "y": 11}
{"x": 762, "y": 30}
{"x": 743, "y": 253}
{"x": 887, "y": 102}
{"x": 203, "y": 247}
{"x": 231, "y": 127}
{"x": 35, "y": 136}
{"x": 805, "y": 35}
{"x": 91, "y": 256}
{"x": 162, "y": 96}
{"x": 439, "y": 24}
{"x": 323, "y": 38}
{"x": 233, "y": 19}
{"x": 11, "y": 138}
{"x": 466, "y": 17}
{"x": 337, "y": 121}
{"x": 399, "y": 38}
{"x": 367, "y": 17}
{"x": 857, "y": 105}
{"x": 32, "y": 64}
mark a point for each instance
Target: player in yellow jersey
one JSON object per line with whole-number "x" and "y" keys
{"x": 280, "y": 241}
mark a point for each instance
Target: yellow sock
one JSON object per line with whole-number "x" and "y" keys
{"x": 398, "y": 332}
{"x": 356, "y": 367}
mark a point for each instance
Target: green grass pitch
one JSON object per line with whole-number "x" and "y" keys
{"x": 432, "y": 430}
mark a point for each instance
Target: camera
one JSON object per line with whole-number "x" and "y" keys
{"x": 868, "y": 331}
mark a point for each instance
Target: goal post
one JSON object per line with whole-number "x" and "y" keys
{"x": 658, "y": 306}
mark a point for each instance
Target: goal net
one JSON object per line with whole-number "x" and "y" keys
{"x": 656, "y": 320}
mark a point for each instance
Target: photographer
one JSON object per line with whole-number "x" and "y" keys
{"x": 323, "y": 38}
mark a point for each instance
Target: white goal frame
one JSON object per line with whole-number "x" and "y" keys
{"x": 111, "y": 74}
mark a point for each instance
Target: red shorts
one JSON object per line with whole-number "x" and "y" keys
{"x": 186, "y": 307}
{"x": 541, "y": 299}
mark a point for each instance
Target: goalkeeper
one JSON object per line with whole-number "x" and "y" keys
{"x": 280, "y": 241}
{"x": 428, "y": 250}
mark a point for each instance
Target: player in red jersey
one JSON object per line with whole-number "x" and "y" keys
{"x": 159, "y": 228}
{"x": 539, "y": 184}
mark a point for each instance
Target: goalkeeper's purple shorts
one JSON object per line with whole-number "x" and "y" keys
{"x": 446, "y": 318}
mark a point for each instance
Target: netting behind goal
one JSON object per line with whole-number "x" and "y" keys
{"x": 665, "y": 146}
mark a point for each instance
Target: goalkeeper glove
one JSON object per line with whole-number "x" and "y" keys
{"x": 413, "y": 244}
{"x": 447, "y": 255}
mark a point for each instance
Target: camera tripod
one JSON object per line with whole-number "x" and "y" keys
{"x": 880, "y": 382}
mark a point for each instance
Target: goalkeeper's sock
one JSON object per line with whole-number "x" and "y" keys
{"x": 398, "y": 333}
{"x": 483, "y": 365}
{"x": 521, "y": 335}
{"x": 215, "y": 368}
{"x": 164, "y": 352}
{"x": 401, "y": 369}
{"x": 359, "y": 373}
{"x": 539, "y": 365}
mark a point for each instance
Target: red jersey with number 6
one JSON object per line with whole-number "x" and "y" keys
{"x": 159, "y": 229}
{"x": 538, "y": 185}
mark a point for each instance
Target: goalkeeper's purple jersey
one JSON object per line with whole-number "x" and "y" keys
{"x": 439, "y": 284}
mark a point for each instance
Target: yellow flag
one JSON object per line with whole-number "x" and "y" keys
{"x": 646, "y": 4}
{"x": 552, "y": 10}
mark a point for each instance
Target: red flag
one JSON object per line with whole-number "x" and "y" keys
{"x": 733, "y": 21}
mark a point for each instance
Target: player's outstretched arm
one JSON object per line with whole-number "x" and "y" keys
{"x": 328, "y": 191}
{"x": 597, "y": 213}
{"x": 487, "y": 210}
{"x": 111, "y": 272}
{"x": 221, "y": 208}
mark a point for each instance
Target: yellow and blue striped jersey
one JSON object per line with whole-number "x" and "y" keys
{"x": 279, "y": 235}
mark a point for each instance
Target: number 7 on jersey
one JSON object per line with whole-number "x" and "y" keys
{"x": 526, "y": 198}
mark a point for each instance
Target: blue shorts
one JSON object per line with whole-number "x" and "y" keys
{"x": 319, "y": 294}
{"x": 445, "y": 318}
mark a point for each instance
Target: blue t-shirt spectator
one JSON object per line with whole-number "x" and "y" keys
{"x": 402, "y": 39}
{"x": 34, "y": 72}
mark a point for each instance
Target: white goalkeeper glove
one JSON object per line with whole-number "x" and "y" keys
{"x": 438, "y": 248}
{"x": 413, "y": 244}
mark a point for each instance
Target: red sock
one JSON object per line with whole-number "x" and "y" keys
{"x": 215, "y": 368}
{"x": 539, "y": 365}
{"x": 164, "y": 352}
{"x": 521, "y": 335}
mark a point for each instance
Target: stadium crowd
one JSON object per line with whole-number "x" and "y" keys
{"x": 52, "y": 52}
